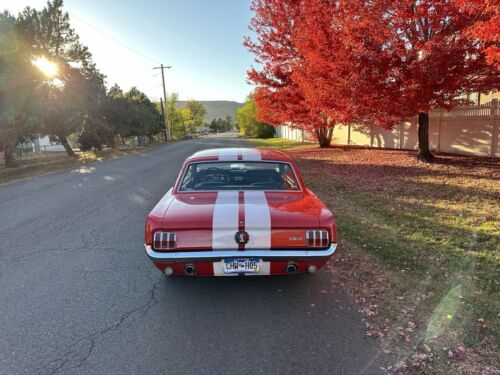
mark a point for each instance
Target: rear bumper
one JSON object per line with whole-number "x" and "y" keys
{"x": 217, "y": 255}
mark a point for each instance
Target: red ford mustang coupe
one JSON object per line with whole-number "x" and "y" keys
{"x": 239, "y": 211}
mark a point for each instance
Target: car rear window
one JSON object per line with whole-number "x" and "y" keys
{"x": 239, "y": 175}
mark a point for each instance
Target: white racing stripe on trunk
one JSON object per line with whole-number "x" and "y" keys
{"x": 257, "y": 220}
{"x": 225, "y": 226}
{"x": 225, "y": 220}
{"x": 250, "y": 154}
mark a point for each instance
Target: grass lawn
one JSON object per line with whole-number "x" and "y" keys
{"x": 277, "y": 143}
{"x": 419, "y": 251}
{"x": 41, "y": 163}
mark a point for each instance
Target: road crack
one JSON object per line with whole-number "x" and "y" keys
{"x": 81, "y": 350}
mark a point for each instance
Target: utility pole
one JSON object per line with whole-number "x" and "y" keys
{"x": 167, "y": 128}
{"x": 163, "y": 117}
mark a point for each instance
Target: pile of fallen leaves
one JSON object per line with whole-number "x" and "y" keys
{"x": 375, "y": 170}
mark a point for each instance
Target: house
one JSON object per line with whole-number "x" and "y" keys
{"x": 481, "y": 99}
{"x": 41, "y": 144}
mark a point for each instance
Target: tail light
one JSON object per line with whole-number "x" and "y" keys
{"x": 164, "y": 241}
{"x": 317, "y": 238}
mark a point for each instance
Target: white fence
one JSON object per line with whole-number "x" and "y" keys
{"x": 472, "y": 130}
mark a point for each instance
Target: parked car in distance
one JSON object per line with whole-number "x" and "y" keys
{"x": 239, "y": 211}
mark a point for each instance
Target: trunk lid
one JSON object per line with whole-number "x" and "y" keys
{"x": 212, "y": 219}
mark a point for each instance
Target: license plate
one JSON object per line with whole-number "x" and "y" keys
{"x": 241, "y": 265}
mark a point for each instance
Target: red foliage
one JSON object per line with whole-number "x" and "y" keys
{"x": 278, "y": 96}
{"x": 487, "y": 28}
{"x": 335, "y": 61}
{"x": 385, "y": 60}
{"x": 440, "y": 61}
{"x": 344, "y": 73}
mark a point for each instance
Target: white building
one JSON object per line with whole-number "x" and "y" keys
{"x": 42, "y": 144}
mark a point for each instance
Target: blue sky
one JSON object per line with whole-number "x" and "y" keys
{"x": 200, "y": 39}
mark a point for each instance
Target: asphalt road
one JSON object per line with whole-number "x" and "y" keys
{"x": 78, "y": 294}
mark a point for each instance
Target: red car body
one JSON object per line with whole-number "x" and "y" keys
{"x": 223, "y": 232}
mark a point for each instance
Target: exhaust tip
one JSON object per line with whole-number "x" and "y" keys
{"x": 190, "y": 270}
{"x": 291, "y": 268}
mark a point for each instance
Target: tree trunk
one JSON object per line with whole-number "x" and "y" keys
{"x": 8, "y": 157}
{"x": 114, "y": 144}
{"x": 424, "y": 153}
{"x": 66, "y": 145}
{"x": 324, "y": 136}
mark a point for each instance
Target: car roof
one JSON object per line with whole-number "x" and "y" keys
{"x": 235, "y": 154}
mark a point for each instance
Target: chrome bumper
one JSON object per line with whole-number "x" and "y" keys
{"x": 217, "y": 255}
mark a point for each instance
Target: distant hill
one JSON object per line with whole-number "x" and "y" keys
{"x": 217, "y": 108}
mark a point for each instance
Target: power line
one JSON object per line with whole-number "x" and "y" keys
{"x": 119, "y": 43}
{"x": 114, "y": 39}
{"x": 153, "y": 88}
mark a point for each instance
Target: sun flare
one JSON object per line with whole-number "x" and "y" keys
{"x": 46, "y": 67}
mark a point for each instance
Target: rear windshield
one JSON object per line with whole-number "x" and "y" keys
{"x": 239, "y": 175}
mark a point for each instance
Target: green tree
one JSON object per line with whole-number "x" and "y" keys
{"x": 246, "y": 120}
{"x": 116, "y": 113}
{"x": 221, "y": 125}
{"x": 228, "y": 123}
{"x": 194, "y": 115}
{"x": 19, "y": 86}
{"x": 214, "y": 127}
{"x": 145, "y": 119}
{"x": 175, "y": 118}
{"x": 75, "y": 99}
{"x": 76, "y": 103}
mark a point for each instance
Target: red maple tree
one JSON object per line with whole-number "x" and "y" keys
{"x": 317, "y": 69}
{"x": 346, "y": 65}
{"x": 279, "y": 97}
{"x": 383, "y": 61}
{"x": 392, "y": 59}
{"x": 440, "y": 62}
